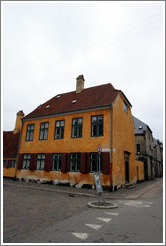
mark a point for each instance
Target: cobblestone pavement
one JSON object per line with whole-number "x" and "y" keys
{"x": 29, "y": 207}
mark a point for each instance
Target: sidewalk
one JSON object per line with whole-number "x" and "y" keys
{"x": 144, "y": 189}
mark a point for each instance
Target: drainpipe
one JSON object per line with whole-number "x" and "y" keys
{"x": 111, "y": 145}
{"x": 14, "y": 178}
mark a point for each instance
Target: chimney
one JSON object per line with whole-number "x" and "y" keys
{"x": 18, "y": 123}
{"x": 80, "y": 83}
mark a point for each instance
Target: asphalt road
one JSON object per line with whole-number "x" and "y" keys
{"x": 42, "y": 216}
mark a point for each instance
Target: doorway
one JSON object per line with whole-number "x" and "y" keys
{"x": 127, "y": 178}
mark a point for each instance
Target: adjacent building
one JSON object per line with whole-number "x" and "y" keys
{"x": 144, "y": 147}
{"x": 60, "y": 138}
{"x": 157, "y": 155}
{"x": 10, "y": 147}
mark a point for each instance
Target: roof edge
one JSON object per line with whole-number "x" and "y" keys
{"x": 67, "y": 112}
{"x": 123, "y": 95}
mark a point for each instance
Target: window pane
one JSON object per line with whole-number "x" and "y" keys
{"x": 24, "y": 164}
{"x": 74, "y": 121}
{"x": 100, "y": 130}
{"x": 32, "y": 127}
{"x": 41, "y": 134}
{"x": 93, "y": 166}
{"x": 100, "y": 118}
{"x": 79, "y": 121}
{"x": 39, "y": 156}
{"x": 62, "y": 123}
{"x": 28, "y": 164}
{"x": 62, "y": 132}
{"x": 42, "y": 164}
{"x": 72, "y": 165}
{"x": 94, "y": 119}
{"x": 46, "y": 125}
{"x": 57, "y": 123}
{"x": 38, "y": 165}
{"x": 58, "y": 165}
{"x": 94, "y": 130}
{"x": 78, "y": 166}
{"x": 57, "y": 133}
{"x": 31, "y": 136}
{"x": 42, "y": 126}
{"x": 45, "y": 135}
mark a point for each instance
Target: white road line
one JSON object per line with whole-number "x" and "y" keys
{"x": 81, "y": 236}
{"x": 134, "y": 203}
{"x": 104, "y": 219}
{"x": 95, "y": 227}
{"x": 112, "y": 213}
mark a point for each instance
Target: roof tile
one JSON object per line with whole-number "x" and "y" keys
{"x": 10, "y": 143}
{"x": 88, "y": 98}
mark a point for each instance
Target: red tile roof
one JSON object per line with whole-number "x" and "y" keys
{"x": 98, "y": 96}
{"x": 10, "y": 143}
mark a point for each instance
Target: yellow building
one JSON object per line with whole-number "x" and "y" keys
{"x": 60, "y": 138}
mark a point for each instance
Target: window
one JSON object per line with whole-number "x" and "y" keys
{"x": 30, "y": 132}
{"x": 75, "y": 162}
{"x": 59, "y": 129}
{"x": 26, "y": 161}
{"x": 138, "y": 148}
{"x": 97, "y": 126}
{"x": 13, "y": 163}
{"x": 43, "y": 131}
{"x": 57, "y": 162}
{"x": 94, "y": 162}
{"x": 77, "y": 128}
{"x": 4, "y": 163}
{"x": 125, "y": 107}
{"x": 40, "y": 161}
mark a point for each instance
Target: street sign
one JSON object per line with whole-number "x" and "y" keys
{"x": 99, "y": 149}
{"x": 98, "y": 182}
{"x": 99, "y": 188}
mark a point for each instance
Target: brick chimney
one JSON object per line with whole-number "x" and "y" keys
{"x": 18, "y": 123}
{"x": 80, "y": 83}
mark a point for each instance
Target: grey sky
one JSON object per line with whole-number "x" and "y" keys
{"x": 46, "y": 45}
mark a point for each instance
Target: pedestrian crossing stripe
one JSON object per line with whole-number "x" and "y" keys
{"x": 111, "y": 213}
{"x": 94, "y": 226}
{"x": 81, "y": 236}
{"x": 104, "y": 219}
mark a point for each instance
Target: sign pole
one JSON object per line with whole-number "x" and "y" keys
{"x": 97, "y": 177}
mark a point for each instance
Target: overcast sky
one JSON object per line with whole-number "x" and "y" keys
{"x": 46, "y": 45}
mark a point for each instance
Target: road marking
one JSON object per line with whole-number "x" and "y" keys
{"x": 95, "y": 227}
{"x": 81, "y": 236}
{"x": 112, "y": 213}
{"x": 135, "y": 204}
{"x": 105, "y": 219}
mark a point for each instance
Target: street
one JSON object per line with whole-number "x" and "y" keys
{"x": 42, "y": 216}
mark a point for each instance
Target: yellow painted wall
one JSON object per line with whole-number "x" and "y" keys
{"x": 123, "y": 139}
{"x": 71, "y": 177}
{"x": 140, "y": 170}
{"x": 9, "y": 172}
{"x": 66, "y": 145}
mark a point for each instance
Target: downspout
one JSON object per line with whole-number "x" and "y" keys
{"x": 14, "y": 178}
{"x": 111, "y": 148}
